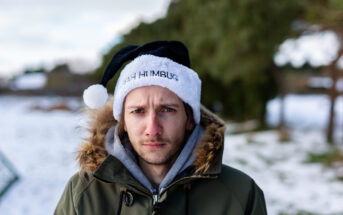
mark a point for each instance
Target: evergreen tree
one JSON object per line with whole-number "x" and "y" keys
{"x": 231, "y": 45}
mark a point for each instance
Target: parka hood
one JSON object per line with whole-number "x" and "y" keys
{"x": 208, "y": 152}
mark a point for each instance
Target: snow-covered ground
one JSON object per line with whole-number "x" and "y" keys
{"x": 42, "y": 145}
{"x": 290, "y": 185}
{"x": 306, "y": 112}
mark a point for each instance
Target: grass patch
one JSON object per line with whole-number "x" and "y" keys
{"x": 266, "y": 160}
{"x": 242, "y": 161}
{"x": 298, "y": 213}
{"x": 327, "y": 158}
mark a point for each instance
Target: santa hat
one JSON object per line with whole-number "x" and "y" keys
{"x": 161, "y": 63}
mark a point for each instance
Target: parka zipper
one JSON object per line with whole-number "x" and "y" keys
{"x": 155, "y": 198}
{"x": 155, "y": 204}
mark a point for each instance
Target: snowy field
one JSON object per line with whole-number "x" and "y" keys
{"x": 41, "y": 145}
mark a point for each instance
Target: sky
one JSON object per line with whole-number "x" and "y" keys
{"x": 37, "y": 33}
{"x": 43, "y": 33}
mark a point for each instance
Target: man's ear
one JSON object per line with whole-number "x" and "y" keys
{"x": 190, "y": 124}
{"x": 123, "y": 122}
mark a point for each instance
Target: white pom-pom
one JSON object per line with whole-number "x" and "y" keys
{"x": 95, "y": 96}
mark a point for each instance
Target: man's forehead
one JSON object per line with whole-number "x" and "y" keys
{"x": 142, "y": 95}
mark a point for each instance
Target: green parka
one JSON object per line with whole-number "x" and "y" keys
{"x": 104, "y": 185}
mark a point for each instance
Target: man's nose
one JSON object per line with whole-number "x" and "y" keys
{"x": 153, "y": 127}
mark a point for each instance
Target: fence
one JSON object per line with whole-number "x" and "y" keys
{"x": 8, "y": 175}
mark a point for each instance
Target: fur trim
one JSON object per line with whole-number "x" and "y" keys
{"x": 93, "y": 151}
{"x": 211, "y": 144}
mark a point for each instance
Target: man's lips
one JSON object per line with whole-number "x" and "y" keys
{"x": 154, "y": 145}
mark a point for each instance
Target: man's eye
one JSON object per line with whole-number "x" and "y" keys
{"x": 137, "y": 111}
{"x": 167, "y": 109}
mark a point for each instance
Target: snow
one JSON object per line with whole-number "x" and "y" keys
{"x": 318, "y": 49}
{"x": 306, "y": 111}
{"x": 41, "y": 145}
{"x": 325, "y": 82}
{"x": 30, "y": 81}
{"x": 290, "y": 185}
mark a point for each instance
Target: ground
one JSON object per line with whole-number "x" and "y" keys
{"x": 41, "y": 144}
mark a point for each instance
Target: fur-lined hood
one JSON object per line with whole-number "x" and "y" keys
{"x": 208, "y": 152}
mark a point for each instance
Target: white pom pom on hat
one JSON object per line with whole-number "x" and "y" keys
{"x": 95, "y": 96}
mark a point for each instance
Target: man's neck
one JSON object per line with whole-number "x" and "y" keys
{"x": 155, "y": 173}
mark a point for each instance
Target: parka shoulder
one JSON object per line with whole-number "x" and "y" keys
{"x": 80, "y": 182}
{"x": 235, "y": 181}
{"x": 244, "y": 189}
{"x": 77, "y": 184}
{"x": 234, "y": 178}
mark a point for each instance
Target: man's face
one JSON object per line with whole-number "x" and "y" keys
{"x": 155, "y": 120}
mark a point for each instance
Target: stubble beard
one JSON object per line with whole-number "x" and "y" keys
{"x": 168, "y": 158}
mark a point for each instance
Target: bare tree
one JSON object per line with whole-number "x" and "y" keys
{"x": 334, "y": 71}
{"x": 283, "y": 133}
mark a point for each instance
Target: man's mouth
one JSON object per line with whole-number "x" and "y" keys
{"x": 154, "y": 145}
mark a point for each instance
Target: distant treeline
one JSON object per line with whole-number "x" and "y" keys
{"x": 231, "y": 44}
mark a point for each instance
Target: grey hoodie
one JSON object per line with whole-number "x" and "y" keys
{"x": 127, "y": 156}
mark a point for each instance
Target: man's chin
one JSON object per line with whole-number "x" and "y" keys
{"x": 156, "y": 161}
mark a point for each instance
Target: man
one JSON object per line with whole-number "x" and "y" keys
{"x": 156, "y": 151}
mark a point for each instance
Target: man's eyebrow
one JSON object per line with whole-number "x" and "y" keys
{"x": 170, "y": 105}
{"x": 135, "y": 106}
{"x": 161, "y": 105}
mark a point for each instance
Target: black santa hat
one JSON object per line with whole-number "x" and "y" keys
{"x": 161, "y": 63}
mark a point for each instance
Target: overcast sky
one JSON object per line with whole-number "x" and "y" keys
{"x": 45, "y": 32}
{"x": 36, "y": 33}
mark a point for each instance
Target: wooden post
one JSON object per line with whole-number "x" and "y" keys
{"x": 334, "y": 71}
{"x": 283, "y": 133}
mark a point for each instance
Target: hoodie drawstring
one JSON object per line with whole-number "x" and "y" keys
{"x": 187, "y": 188}
{"x": 121, "y": 197}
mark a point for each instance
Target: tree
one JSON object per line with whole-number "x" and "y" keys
{"x": 231, "y": 45}
{"x": 323, "y": 15}
{"x": 31, "y": 70}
